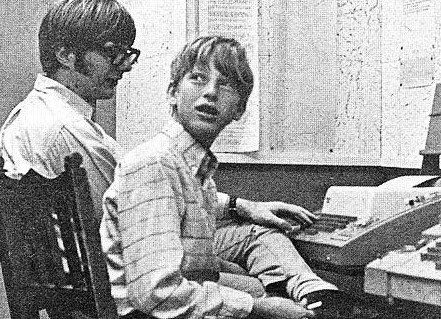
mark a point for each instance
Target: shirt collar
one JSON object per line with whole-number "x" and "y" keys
{"x": 47, "y": 85}
{"x": 202, "y": 162}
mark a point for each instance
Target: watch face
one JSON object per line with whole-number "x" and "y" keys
{"x": 232, "y": 202}
{"x": 232, "y": 209}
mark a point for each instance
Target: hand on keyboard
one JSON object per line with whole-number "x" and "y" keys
{"x": 287, "y": 217}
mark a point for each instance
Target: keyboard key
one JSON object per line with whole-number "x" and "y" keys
{"x": 431, "y": 256}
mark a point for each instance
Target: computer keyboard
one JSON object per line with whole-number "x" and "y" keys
{"x": 329, "y": 223}
{"x": 358, "y": 224}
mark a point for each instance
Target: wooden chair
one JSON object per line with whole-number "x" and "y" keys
{"x": 50, "y": 249}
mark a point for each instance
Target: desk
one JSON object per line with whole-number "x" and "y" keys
{"x": 404, "y": 275}
{"x": 398, "y": 309}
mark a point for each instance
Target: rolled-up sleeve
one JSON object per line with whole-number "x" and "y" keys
{"x": 149, "y": 220}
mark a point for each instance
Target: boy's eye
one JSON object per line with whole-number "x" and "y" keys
{"x": 198, "y": 77}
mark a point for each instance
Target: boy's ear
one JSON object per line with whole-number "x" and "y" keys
{"x": 171, "y": 94}
{"x": 171, "y": 90}
{"x": 66, "y": 58}
{"x": 172, "y": 100}
{"x": 239, "y": 112}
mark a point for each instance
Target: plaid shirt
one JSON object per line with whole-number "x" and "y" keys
{"x": 160, "y": 242}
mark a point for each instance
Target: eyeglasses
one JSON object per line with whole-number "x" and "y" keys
{"x": 120, "y": 54}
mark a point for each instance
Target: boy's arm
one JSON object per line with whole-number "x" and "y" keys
{"x": 287, "y": 217}
{"x": 150, "y": 226}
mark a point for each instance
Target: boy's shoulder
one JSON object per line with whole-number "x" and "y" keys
{"x": 156, "y": 151}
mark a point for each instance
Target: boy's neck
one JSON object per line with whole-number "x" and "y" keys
{"x": 204, "y": 141}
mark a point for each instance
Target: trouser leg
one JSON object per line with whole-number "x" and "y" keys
{"x": 248, "y": 284}
{"x": 269, "y": 255}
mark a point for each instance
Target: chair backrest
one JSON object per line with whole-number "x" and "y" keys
{"x": 50, "y": 248}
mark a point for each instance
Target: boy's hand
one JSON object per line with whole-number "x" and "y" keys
{"x": 267, "y": 214}
{"x": 280, "y": 308}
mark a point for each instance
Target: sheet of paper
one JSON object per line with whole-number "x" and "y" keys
{"x": 239, "y": 20}
{"x": 418, "y": 43}
{"x": 409, "y": 54}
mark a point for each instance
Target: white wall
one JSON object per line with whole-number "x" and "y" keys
{"x": 19, "y": 61}
{"x": 141, "y": 106}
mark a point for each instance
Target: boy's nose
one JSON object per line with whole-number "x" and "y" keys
{"x": 211, "y": 90}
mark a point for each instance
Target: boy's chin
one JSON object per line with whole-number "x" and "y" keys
{"x": 205, "y": 137}
{"x": 211, "y": 131}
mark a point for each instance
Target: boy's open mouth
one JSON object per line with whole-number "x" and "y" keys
{"x": 207, "y": 109}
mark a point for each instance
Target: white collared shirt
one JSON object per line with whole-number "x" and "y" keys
{"x": 51, "y": 123}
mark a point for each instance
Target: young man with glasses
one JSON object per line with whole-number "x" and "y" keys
{"x": 85, "y": 48}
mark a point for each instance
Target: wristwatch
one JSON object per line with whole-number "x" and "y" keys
{"x": 232, "y": 208}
